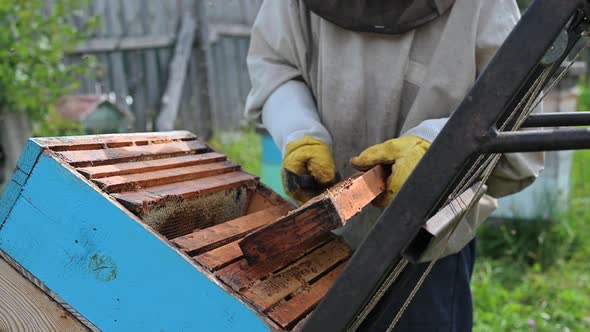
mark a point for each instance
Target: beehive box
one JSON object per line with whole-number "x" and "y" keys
{"x": 139, "y": 232}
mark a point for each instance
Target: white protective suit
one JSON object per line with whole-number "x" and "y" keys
{"x": 354, "y": 90}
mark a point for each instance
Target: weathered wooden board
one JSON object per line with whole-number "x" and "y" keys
{"x": 136, "y": 181}
{"x": 24, "y": 307}
{"x": 289, "y": 312}
{"x": 285, "y": 287}
{"x": 138, "y": 200}
{"x": 220, "y": 257}
{"x": 177, "y": 73}
{"x": 322, "y": 214}
{"x": 218, "y": 235}
{"x": 81, "y": 158}
{"x": 72, "y": 143}
{"x": 241, "y": 274}
{"x": 97, "y": 172}
{"x": 276, "y": 287}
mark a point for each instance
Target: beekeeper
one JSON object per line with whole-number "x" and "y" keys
{"x": 377, "y": 80}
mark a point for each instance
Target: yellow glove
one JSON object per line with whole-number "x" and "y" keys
{"x": 308, "y": 156}
{"x": 404, "y": 153}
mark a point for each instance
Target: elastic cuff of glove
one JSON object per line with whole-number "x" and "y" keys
{"x": 300, "y": 134}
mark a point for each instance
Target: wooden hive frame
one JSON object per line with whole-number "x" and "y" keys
{"x": 193, "y": 199}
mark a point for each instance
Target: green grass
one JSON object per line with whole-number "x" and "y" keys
{"x": 536, "y": 275}
{"x": 243, "y": 147}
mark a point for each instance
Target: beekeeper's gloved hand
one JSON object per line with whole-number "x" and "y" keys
{"x": 308, "y": 156}
{"x": 403, "y": 154}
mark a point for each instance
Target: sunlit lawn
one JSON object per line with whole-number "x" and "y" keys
{"x": 548, "y": 290}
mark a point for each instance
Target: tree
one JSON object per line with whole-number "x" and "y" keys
{"x": 35, "y": 38}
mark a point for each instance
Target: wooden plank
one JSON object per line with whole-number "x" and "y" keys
{"x": 268, "y": 292}
{"x": 132, "y": 43}
{"x": 139, "y": 201}
{"x": 116, "y": 70}
{"x": 217, "y": 30}
{"x": 242, "y": 45}
{"x": 208, "y": 80}
{"x": 217, "y": 87}
{"x": 191, "y": 115}
{"x": 24, "y": 307}
{"x": 177, "y": 74}
{"x": 199, "y": 87}
{"x": 290, "y": 312}
{"x": 144, "y": 180}
{"x": 87, "y": 260}
{"x": 137, "y": 90}
{"x": 132, "y": 153}
{"x": 103, "y": 82}
{"x": 52, "y": 295}
{"x": 232, "y": 83}
{"x": 151, "y": 18}
{"x": 92, "y": 142}
{"x": 220, "y": 257}
{"x": 240, "y": 274}
{"x": 131, "y": 24}
{"x": 218, "y": 235}
{"x": 322, "y": 214}
{"x": 97, "y": 172}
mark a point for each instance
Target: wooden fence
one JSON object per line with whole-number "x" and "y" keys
{"x": 134, "y": 45}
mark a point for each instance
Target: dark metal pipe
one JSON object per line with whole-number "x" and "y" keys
{"x": 558, "y": 120}
{"x": 539, "y": 140}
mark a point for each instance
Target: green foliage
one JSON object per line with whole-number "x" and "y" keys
{"x": 508, "y": 297}
{"x": 536, "y": 275}
{"x": 54, "y": 125}
{"x": 243, "y": 147}
{"x": 584, "y": 98}
{"x": 34, "y": 40}
{"x": 528, "y": 242}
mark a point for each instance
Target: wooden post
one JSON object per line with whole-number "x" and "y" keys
{"x": 15, "y": 129}
{"x": 178, "y": 70}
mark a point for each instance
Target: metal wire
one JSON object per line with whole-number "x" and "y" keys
{"x": 379, "y": 294}
{"x": 531, "y": 104}
{"x": 481, "y": 169}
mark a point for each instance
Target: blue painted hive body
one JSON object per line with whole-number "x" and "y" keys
{"x": 139, "y": 232}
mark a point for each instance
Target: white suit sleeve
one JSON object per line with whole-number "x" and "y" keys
{"x": 280, "y": 97}
{"x": 496, "y": 20}
{"x": 515, "y": 171}
{"x": 290, "y": 113}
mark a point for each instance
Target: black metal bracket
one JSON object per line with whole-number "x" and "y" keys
{"x": 558, "y": 120}
{"x": 538, "y": 140}
{"x": 470, "y": 132}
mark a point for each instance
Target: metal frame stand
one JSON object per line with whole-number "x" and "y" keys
{"x": 473, "y": 131}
